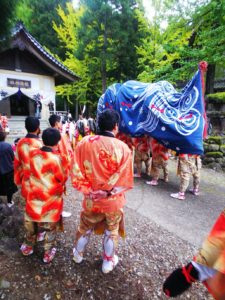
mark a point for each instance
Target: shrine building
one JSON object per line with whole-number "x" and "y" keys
{"x": 29, "y": 73}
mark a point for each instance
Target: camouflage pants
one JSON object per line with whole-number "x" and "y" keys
{"x": 186, "y": 168}
{"x": 157, "y": 165}
{"x": 99, "y": 222}
{"x": 142, "y": 157}
{"x": 32, "y": 230}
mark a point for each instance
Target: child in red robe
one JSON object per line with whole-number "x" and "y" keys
{"x": 44, "y": 200}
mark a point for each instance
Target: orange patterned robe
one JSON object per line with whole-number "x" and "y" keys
{"x": 102, "y": 163}
{"x": 47, "y": 179}
{"x": 22, "y": 161}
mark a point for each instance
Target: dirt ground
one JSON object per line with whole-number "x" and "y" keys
{"x": 147, "y": 256}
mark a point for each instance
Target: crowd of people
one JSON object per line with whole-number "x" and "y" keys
{"x": 99, "y": 161}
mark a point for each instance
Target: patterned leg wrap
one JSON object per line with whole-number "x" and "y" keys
{"x": 108, "y": 246}
{"x": 110, "y": 260}
{"x": 83, "y": 241}
{"x": 180, "y": 280}
{"x": 80, "y": 246}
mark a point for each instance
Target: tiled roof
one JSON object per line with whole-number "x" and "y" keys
{"x": 21, "y": 29}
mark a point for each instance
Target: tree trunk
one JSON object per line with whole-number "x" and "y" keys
{"x": 210, "y": 78}
{"x": 103, "y": 77}
{"x": 103, "y": 67}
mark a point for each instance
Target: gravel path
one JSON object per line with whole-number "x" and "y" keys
{"x": 147, "y": 256}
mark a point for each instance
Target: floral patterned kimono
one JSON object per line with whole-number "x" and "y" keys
{"x": 22, "y": 161}
{"x": 102, "y": 163}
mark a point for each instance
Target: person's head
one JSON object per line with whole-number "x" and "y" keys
{"x": 81, "y": 127}
{"x": 108, "y": 120}
{"x": 2, "y": 135}
{"x": 32, "y": 125}
{"x": 51, "y": 137}
{"x": 92, "y": 125}
{"x": 16, "y": 141}
{"x": 55, "y": 121}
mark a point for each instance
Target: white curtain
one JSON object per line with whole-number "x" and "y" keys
{"x": 44, "y": 97}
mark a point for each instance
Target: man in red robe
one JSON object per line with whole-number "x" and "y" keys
{"x": 63, "y": 148}
{"x": 22, "y": 157}
{"x": 102, "y": 171}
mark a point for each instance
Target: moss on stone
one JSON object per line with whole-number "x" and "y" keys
{"x": 216, "y": 98}
{"x": 214, "y": 140}
{"x": 215, "y": 154}
{"x": 222, "y": 148}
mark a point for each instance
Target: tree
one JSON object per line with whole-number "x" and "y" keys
{"x": 39, "y": 16}
{"x": 67, "y": 35}
{"x": 159, "y": 53}
{"x": 7, "y": 14}
{"x": 109, "y": 35}
{"x": 98, "y": 46}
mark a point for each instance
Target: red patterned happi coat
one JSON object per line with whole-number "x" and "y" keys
{"x": 142, "y": 144}
{"x": 47, "y": 180}
{"x": 22, "y": 161}
{"x": 158, "y": 150}
{"x": 102, "y": 163}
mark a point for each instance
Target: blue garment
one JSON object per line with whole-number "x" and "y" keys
{"x": 6, "y": 158}
{"x": 175, "y": 119}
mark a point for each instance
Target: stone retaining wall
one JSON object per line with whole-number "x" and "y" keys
{"x": 214, "y": 157}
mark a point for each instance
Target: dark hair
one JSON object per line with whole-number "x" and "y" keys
{"x": 92, "y": 125}
{"x": 51, "y": 137}
{"x": 32, "y": 124}
{"x": 80, "y": 127}
{"x": 53, "y": 119}
{"x": 108, "y": 119}
{"x": 2, "y": 135}
{"x": 16, "y": 141}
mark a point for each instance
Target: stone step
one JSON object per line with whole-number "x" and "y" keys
{"x": 17, "y": 127}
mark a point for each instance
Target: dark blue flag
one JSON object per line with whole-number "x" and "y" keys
{"x": 175, "y": 119}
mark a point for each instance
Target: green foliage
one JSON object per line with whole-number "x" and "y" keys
{"x": 39, "y": 16}
{"x": 24, "y": 12}
{"x": 7, "y": 14}
{"x": 98, "y": 38}
{"x": 107, "y": 41}
{"x": 195, "y": 32}
{"x": 216, "y": 98}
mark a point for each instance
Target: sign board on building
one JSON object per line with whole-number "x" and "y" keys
{"x": 26, "y": 84}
